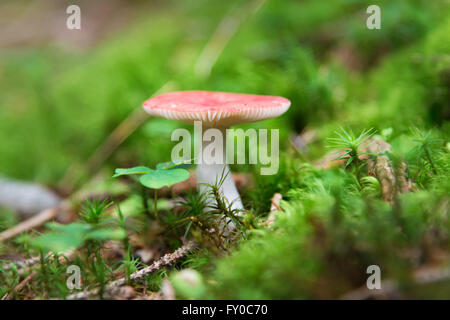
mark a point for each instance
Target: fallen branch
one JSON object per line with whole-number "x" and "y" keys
{"x": 166, "y": 260}
{"x": 33, "y": 222}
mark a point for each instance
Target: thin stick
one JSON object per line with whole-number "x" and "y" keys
{"x": 166, "y": 260}
{"x": 20, "y": 286}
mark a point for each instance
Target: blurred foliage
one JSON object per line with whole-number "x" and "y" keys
{"x": 57, "y": 107}
{"x": 326, "y": 237}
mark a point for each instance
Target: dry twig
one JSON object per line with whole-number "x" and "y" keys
{"x": 20, "y": 286}
{"x": 33, "y": 222}
{"x": 166, "y": 260}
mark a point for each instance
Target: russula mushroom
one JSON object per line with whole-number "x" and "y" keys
{"x": 218, "y": 110}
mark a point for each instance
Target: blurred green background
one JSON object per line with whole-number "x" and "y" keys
{"x": 63, "y": 91}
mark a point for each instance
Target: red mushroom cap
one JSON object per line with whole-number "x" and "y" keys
{"x": 216, "y": 109}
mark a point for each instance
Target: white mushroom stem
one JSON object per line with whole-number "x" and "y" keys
{"x": 211, "y": 173}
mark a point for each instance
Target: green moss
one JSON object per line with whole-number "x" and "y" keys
{"x": 58, "y": 107}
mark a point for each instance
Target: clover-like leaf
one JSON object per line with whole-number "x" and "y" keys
{"x": 128, "y": 171}
{"x": 74, "y": 228}
{"x": 174, "y": 165}
{"x": 58, "y": 242}
{"x": 64, "y": 237}
{"x": 156, "y": 179}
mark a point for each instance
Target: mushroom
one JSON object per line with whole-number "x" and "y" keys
{"x": 218, "y": 110}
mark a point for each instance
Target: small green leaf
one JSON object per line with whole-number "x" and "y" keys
{"x": 127, "y": 171}
{"x": 58, "y": 242}
{"x": 174, "y": 165}
{"x": 157, "y": 179}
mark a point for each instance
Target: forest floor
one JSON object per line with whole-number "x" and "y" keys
{"x": 364, "y": 166}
